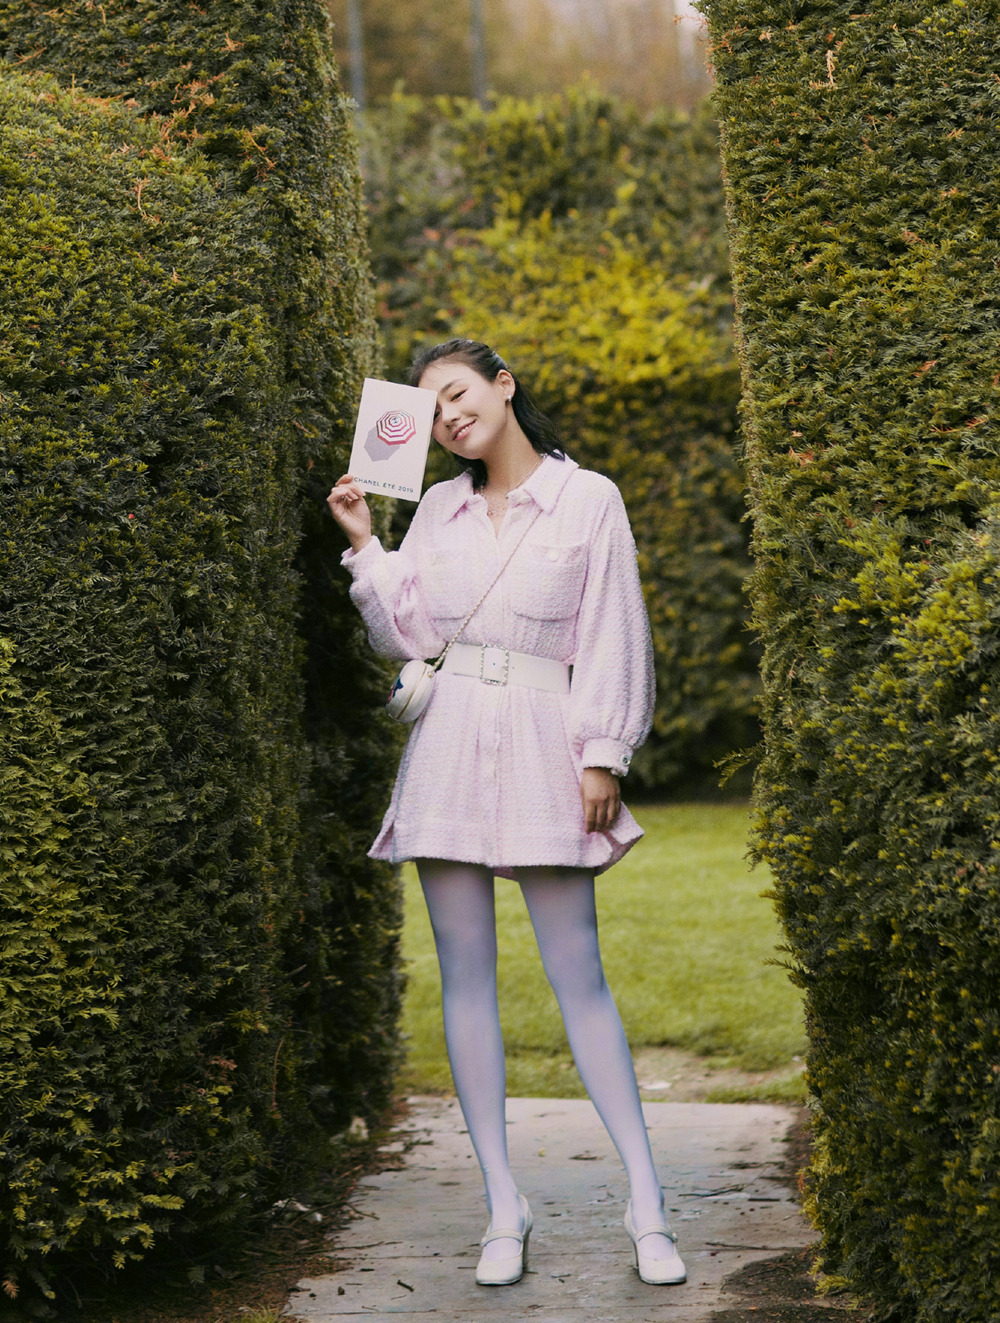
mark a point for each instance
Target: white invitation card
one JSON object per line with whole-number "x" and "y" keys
{"x": 392, "y": 437}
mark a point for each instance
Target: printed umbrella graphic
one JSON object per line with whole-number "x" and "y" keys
{"x": 395, "y": 429}
{"x": 392, "y": 430}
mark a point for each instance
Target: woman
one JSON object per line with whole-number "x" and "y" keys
{"x": 512, "y": 769}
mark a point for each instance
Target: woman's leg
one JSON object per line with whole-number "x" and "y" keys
{"x": 460, "y": 904}
{"x": 564, "y": 917}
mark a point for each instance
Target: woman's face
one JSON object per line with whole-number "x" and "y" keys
{"x": 472, "y": 413}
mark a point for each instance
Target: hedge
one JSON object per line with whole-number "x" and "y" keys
{"x": 861, "y": 154}
{"x": 199, "y": 974}
{"x": 587, "y": 242}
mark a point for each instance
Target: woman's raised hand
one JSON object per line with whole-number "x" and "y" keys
{"x": 347, "y": 505}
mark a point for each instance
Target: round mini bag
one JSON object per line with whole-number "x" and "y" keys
{"x": 411, "y": 691}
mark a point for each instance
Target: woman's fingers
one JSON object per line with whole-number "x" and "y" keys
{"x": 344, "y": 494}
{"x": 347, "y": 504}
{"x": 601, "y": 798}
{"x": 606, "y": 814}
{"x": 344, "y": 489}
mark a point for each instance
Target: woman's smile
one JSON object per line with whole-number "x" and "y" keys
{"x": 471, "y": 411}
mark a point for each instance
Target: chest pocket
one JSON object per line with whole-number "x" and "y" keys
{"x": 449, "y": 584}
{"x": 546, "y": 581}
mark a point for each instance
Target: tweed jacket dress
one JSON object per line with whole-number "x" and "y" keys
{"x": 491, "y": 773}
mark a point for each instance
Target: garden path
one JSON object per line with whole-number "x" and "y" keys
{"x": 412, "y": 1246}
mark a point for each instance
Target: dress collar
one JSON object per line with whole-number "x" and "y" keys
{"x": 543, "y": 487}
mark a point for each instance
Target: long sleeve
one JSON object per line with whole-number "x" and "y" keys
{"x": 613, "y": 687}
{"x": 491, "y": 773}
{"x": 386, "y": 591}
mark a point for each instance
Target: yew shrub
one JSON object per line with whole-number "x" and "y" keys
{"x": 861, "y": 155}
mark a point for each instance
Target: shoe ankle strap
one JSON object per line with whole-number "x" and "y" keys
{"x": 654, "y": 1229}
{"x": 502, "y": 1235}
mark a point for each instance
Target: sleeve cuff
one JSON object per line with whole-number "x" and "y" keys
{"x": 359, "y": 561}
{"x": 611, "y": 754}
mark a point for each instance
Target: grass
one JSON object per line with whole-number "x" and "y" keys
{"x": 686, "y": 939}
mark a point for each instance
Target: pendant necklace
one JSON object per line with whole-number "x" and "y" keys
{"x": 501, "y": 501}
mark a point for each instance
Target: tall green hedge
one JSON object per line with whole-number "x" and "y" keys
{"x": 862, "y": 151}
{"x": 587, "y": 242}
{"x": 198, "y": 973}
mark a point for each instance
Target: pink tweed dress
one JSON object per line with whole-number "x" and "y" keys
{"x": 491, "y": 773}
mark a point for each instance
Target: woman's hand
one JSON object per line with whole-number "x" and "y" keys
{"x": 601, "y": 798}
{"x": 348, "y": 507}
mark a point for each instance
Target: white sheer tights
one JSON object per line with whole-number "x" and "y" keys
{"x": 560, "y": 902}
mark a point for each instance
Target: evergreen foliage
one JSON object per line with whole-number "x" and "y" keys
{"x": 199, "y": 974}
{"x": 586, "y": 242}
{"x": 861, "y": 153}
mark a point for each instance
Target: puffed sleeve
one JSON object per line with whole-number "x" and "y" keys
{"x": 386, "y": 591}
{"x": 613, "y": 687}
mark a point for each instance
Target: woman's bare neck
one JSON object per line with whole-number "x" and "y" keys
{"x": 512, "y": 462}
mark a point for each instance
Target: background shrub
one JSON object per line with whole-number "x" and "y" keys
{"x": 587, "y": 242}
{"x": 198, "y": 966}
{"x": 861, "y": 156}
{"x": 531, "y": 47}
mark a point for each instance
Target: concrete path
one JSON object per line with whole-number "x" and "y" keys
{"x": 414, "y": 1245}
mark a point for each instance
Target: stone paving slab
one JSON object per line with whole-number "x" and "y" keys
{"x": 414, "y": 1245}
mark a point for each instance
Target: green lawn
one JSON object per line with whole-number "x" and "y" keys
{"x": 686, "y": 938}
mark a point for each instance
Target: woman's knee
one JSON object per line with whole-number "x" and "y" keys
{"x": 564, "y": 918}
{"x": 466, "y": 967}
{"x": 574, "y": 970}
{"x": 460, "y": 907}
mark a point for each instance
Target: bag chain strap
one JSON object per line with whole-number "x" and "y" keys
{"x": 439, "y": 662}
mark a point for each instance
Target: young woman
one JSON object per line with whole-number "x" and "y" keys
{"x": 512, "y": 769}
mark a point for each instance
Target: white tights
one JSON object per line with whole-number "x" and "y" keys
{"x": 561, "y": 905}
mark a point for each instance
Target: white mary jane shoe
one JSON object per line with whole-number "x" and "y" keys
{"x": 657, "y": 1272}
{"x": 504, "y": 1272}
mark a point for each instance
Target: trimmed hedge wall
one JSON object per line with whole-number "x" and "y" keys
{"x": 198, "y": 960}
{"x": 862, "y": 151}
{"x": 587, "y": 242}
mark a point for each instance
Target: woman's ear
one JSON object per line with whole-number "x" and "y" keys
{"x": 506, "y": 383}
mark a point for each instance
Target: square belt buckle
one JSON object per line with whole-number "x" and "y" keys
{"x": 494, "y": 665}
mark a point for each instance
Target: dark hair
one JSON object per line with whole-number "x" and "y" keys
{"x": 487, "y": 362}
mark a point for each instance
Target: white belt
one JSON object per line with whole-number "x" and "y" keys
{"x": 501, "y": 666}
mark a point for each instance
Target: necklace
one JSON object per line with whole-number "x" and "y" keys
{"x": 501, "y": 501}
